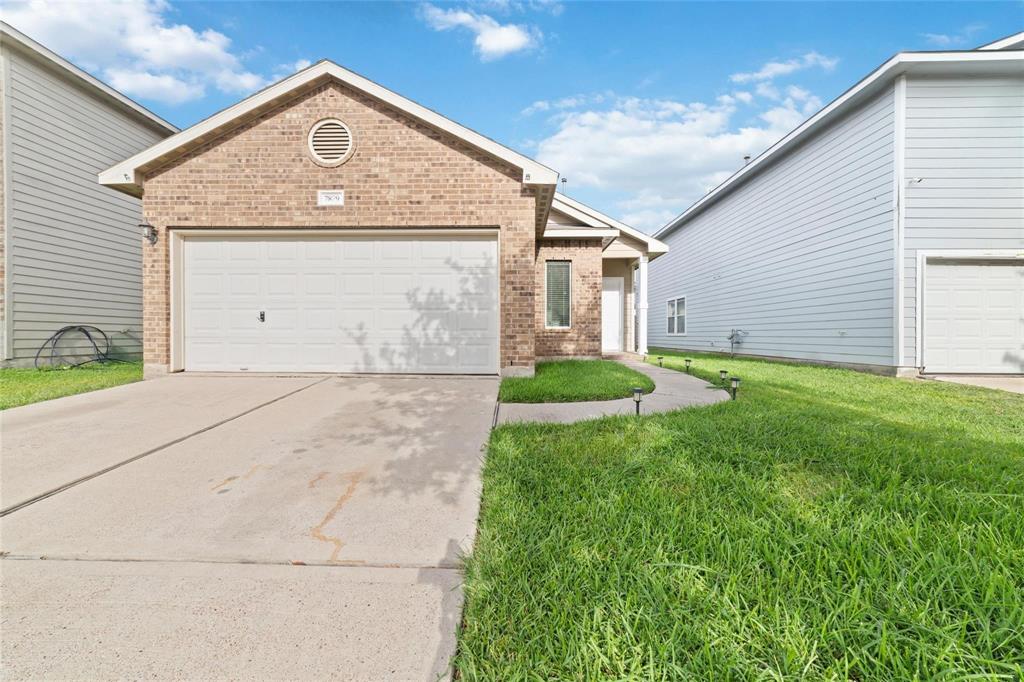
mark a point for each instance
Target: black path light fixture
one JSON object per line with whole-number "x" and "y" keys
{"x": 723, "y": 374}
{"x": 661, "y": 361}
{"x": 735, "y": 382}
{"x": 148, "y": 233}
{"x": 638, "y": 393}
{"x": 688, "y": 361}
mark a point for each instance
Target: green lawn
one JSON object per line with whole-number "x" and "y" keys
{"x": 24, "y": 386}
{"x": 566, "y": 381}
{"x": 827, "y": 525}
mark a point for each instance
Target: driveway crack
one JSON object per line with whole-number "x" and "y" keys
{"x": 151, "y": 451}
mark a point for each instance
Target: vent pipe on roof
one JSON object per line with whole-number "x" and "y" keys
{"x": 746, "y": 159}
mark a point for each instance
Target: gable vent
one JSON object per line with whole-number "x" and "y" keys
{"x": 330, "y": 142}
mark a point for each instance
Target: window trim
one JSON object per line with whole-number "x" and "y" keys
{"x": 546, "y": 273}
{"x": 686, "y": 322}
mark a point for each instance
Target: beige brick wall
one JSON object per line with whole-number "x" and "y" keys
{"x": 402, "y": 174}
{"x": 583, "y": 338}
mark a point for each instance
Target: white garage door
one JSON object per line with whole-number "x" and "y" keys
{"x": 327, "y": 304}
{"x": 974, "y": 317}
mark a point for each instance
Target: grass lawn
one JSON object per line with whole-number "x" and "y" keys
{"x": 24, "y": 386}
{"x": 827, "y": 525}
{"x": 566, "y": 381}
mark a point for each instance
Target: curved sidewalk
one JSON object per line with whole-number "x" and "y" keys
{"x": 672, "y": 390}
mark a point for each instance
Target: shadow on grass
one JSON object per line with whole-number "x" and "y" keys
{"x": 827, "y": 524}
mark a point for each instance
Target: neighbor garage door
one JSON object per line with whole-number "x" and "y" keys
{"x": 328, "y": 304}
{"x": 974, "y": 316}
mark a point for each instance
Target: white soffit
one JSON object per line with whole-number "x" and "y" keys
{"x": 594, "y": 217}
{"x": 126, "y": 176}
{"x": 919, "y": 63}
{"x": 563, "y": 232}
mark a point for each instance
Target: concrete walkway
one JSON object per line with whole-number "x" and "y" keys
{"x": 1014, "y": 384}
{"x": 672, "y": 390}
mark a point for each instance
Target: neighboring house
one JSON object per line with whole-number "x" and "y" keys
{"x": 328, "y": 224}
{"x": 886, "y": 232}
{"x": 71, "y": 252}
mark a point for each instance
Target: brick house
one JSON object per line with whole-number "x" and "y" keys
{"x": 329, "y": 224}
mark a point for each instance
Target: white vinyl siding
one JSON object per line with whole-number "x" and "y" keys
{"x": 800, "y": 256}
{"x": 964, "y": 175}
{"x": 558, "y": 294}
{"x": 75, "y": 251}
{"x": 676, "y": 317}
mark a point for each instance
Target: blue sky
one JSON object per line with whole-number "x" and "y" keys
{"x": 642, "y": 106}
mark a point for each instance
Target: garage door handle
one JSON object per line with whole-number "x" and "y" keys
{"x": 263, "y": 316}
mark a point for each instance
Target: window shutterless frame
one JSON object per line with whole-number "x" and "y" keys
{"x": 675, "y": 316}
{"x": 558, "y": 293}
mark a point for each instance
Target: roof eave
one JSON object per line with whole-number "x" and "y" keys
{"x": 572, "y": 207}
{"x": 97, "y": 86}
{"x": 534, "y": 173}
{"x": 895, "y": 66}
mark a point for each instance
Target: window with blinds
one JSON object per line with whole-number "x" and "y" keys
{"x": 677, "y": 316}
{"x": 558, "y": 288}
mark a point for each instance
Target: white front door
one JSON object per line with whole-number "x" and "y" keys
{"x": 974, "y": 317}
{"x": 341, "y": 304}
{"x": 612, "y": 313}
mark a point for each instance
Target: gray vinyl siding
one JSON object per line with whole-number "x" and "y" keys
{"x": 75, "y": 248}
{"x": 800, "y": 256}
{"x": 964, "y": 174}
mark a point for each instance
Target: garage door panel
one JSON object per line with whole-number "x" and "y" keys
{"x": 240, "y": 251}
{"x": 342, "y": 305}
{"x": 974, "y": 316}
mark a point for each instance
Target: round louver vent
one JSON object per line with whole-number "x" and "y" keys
{"x": 330, "y": 142}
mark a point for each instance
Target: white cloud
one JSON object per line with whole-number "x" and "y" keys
{"x": 959, "y": 39}
{"x": 164, "y": 87}
{"x": 492, "y": 40}
{"x": 659, "y": 156}
{"x": 773, "y": 70}
{"x": 134, "y": 45}
{"x": 571, "y": 102}
{"x": 285, "y": 70}
{"x": 768, "y": 91}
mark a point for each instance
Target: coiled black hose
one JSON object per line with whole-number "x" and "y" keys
{"x": 58, "y": 359}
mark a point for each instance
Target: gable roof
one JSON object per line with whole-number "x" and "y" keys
{"x": 595, "y": 219}
{"x": 127, "y": 175}
{"x": 1010, "y": 42}
{"x": 11, "y": 35}
{"x": 919, "y": 63}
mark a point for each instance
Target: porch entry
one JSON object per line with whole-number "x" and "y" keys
{"x": 612, "y": 313}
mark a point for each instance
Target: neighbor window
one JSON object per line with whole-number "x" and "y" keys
{"x": 677, "y": 316}
{"x": 557, "y": 290}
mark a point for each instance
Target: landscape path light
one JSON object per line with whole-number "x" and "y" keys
{"x": 688, "y": 361}
{"x": 637, "y": 394}
{"x": 661, "y": 358}
{"x": 723, "y": 375}
{"x": 735, "y": 381}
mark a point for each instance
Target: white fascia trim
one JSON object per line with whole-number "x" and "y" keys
{"x": 580, "y": 233}
{"x": 15, "y": 36}
{"x": 126, "y": 172}
{"x": 899, "y": 211}
{"x": 1011, "y": 41}
{"x": 591, "y": 215}
{"x": 306, "y": 232}
{"x": 896, "y": 65}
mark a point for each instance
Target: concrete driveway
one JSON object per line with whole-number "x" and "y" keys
{"x": 243, "y": 527}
